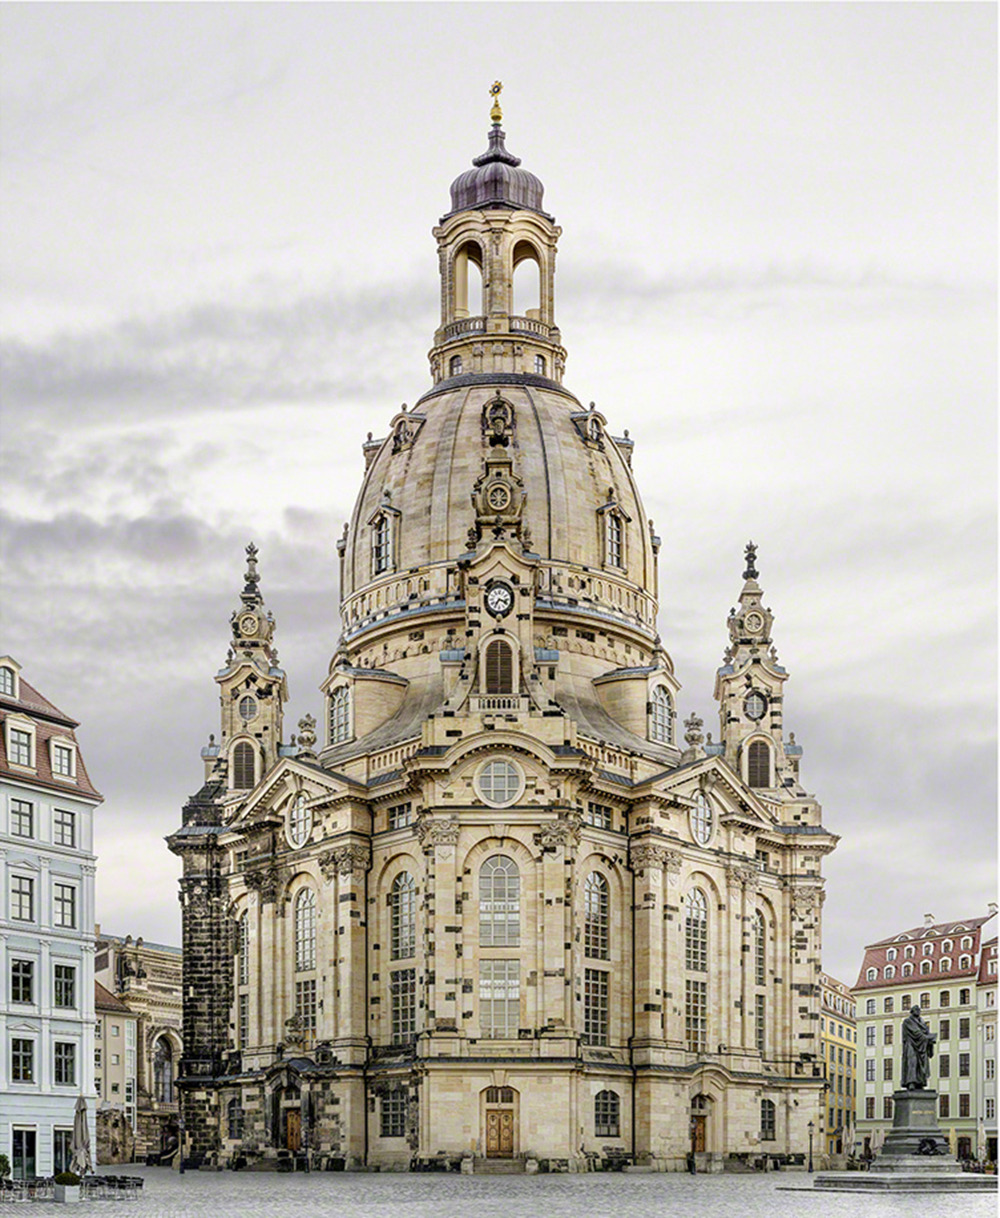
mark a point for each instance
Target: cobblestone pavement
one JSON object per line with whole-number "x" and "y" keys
{"x": 401, "y": 1195}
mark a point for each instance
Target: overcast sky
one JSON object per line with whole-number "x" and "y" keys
{"x": 777, "y": 270}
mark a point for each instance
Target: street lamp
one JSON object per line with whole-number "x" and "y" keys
{"x": 812, "y": 1129}
{"x": 180, "y": 1140}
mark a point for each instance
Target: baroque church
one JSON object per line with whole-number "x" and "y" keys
{"x": 495, "y": 909}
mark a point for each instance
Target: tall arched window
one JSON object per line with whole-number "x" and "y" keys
{"x": 340, "y": 715}
{"x": 234, "y": 1119}
{"x": 760, "y": 949}
{"x": 701, "y": 819}
{"x": 661, "y": 716}
{"x": 455, "y": 365}
{"x": 615, "y": 540}
{"x": 696, "y": 931}
{"x": 381, "y": 544}
{"x": 759, "y": 764}
{"x": 243, "y": 770}
{"x": 499, "y": 668}
{"x": 305, "y": 930}
{"x": 163, "y": 1071}
{"x": 596, "y": 917}
{"x": 499, "y": 902}
{"x": 403, "y": 912}
{"x": 243, "y": 949}
{"x": 767, "y": 1125}
{"x": 606, "y": 1114}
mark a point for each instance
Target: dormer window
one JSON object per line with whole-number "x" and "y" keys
{"x": 614, "y": 540}
{"x": 891, "y": 954}
{"x": 455, "y": 365}
{"x": 908, "y": 952}
{"x": 383, "y": 537}
{"x": 7, "y": 686}
{"x": 63, "y": 760}
{"x": 340, "y": 715}
{"x": 21, "y": 742}
{"x": 661, "y": 716}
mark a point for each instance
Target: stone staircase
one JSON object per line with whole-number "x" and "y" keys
{"x": 498, "y": 1167}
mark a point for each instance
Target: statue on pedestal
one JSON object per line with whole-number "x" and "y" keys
{"x": 918, "y": 1049}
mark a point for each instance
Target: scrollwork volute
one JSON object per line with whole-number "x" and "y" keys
{"x": 432, "y": 833}
{"x": 564, "y": 831}
{"x": 352, "y": 861}
{"x": 646, "y": 857}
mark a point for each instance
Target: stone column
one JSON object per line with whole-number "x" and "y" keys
{"x": 352, "y": 863}
{"x": 558, "y": 841}
{"x": 442, "y": 926}
{"x": 673, "y": 952}
{"x": 648, "y": 863}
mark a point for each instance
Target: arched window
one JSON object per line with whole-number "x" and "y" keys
{"x": 381, "y": 544}
{"x": 767, "y": 1126}
{"x": 163, "y": 1071}
{"x": 305, "y": 930}
{"x": 759, "y": 764}
{"x": 925, "y": 967}
{"x": 891, "y": 954}
{"x": 243, "y": 950}
{"x": 596, "y": 917}
{"x": 540, "y": 365}
{"x": 760, "y": 949}
{"x": 907, "y": 970}
{"x": 455, "y": 365}
{"x": 945, "y": 965}
{"x": 234, "y": 1119}
{"x": 299, "y": 821}
{"x": 661, "y": 728}
{"x": 526, "y": 286}
{"x": 243, "y": 769}
{"x": 928, "y": 949}
{"x": 606, "y": 1114}
{"x": 908, "y": 952}
{"x": 889, "y": 971}
{"x": 403, "y": 909}
{"x": 701, "y": 819}
{"x": 499, "y": 902}
{"x": 7, "y": 681}
{"x": 615, "y": 540}
{"x": 499, "y": 668}
{"x": 965, "y": 962}
{"x": 871, "y": 974}
{"x": 696, "y": 931}
{"x": 340, "y": 715}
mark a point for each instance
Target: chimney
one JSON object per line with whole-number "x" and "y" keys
{"x": 992, "y": 907}
{"x": 928, "y": 919}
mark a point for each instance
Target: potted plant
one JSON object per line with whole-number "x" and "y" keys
{"x": 67, "y": 1187}
{"x": 4, "y": 1167}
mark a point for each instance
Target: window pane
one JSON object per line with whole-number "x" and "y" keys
{"x": 499, "y": 998}
{"x": 499, "y": 902}
{"x": 22, "y": 820}
{"x": 305, "y": 930}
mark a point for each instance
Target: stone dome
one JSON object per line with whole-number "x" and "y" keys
{"x": 496, "y": 181}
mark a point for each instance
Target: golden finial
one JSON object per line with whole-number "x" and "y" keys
{"x": 496, "y": 114}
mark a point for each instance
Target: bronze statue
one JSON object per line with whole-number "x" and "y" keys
{"x": 918, "y": 1049}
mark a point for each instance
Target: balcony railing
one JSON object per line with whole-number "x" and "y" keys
{"x": 502, "y": 703}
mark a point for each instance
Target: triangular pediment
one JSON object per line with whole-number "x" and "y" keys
{"x": 287, "y": 779}
{"x": 715, "y": 776}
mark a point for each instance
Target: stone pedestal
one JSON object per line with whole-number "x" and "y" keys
{"x": 914, "y": 1157}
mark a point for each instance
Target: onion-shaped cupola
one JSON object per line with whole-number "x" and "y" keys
{"x": 497, "y": 253}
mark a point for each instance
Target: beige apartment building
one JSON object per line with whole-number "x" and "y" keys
{"x": 116, "y": 1076}
{"x": 937, "y": 967}
{"x": 504, "y": 909}
{"x": 839, "y": 1034}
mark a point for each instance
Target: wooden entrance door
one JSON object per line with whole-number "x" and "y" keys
{"x": 499, "y": 1133}
{"x": 293, "y": 1130}
{"x": 698, "y": 1134}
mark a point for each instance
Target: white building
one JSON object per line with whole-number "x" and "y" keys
{"x": 47, "y": 1017}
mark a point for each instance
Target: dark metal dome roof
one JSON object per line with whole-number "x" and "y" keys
{"x": 496, "y": 181}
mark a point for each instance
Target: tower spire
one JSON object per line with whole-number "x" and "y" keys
{"x": 251, "y": 593}
{"x": 751, "y": 557}
{"x": 496, "y": 114}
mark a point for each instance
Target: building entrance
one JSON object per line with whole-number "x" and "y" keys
{"x": 293, "y": 1130}
{"x": 499, "y": 1133}
{"x": 698, "y": 1138}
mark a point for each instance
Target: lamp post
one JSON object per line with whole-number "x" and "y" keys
{"x": 180, "y": 1140}
{"x": 812, "y": 1129}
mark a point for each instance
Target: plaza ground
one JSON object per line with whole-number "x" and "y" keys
{"x": 404, "y": 1195}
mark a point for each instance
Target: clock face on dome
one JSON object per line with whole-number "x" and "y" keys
{"x": 754, "y": 622}
{"x": 248, "y": 624}
{"x": 499, "y": 600}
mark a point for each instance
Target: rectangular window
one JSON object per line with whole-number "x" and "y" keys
{"x": 20, "y": 747}
{"x": 696, "y": 1015}
{"x": 760, "y": 1023}
{"x": 305, "y": 1004}
{"x": 963, "y": 1104}
{"x": 963, "y": 1028}
{"x": 22, "y": 898}
{"x": 403, "y": 1005}
{"x": 22, "y": 1060}
{"x": 22, "y": 818}
{"x": 870, "y": 1034}
{"x": 598, "y": 815}
{"x": 887, "y": 1108}
{"x": 22, "y": 981}
{"x": 963, "y": 1065}
{"x": 595, "y": 1006}
{"x": 400, "y": 816}
{"x": 64, "y": 905}
{"x": 944, "y": 1029}
{"x": 944, "y": 1065}
{"x": 65, "y": 1062}
{"x": 991, "y": 1108}
{"x": 887, "y": 1034}
{"x": 870, "y": 1070}
{"x": 243, "y": 1021}
{"x": 887, "y": 1005}
{"x": 62, "y": 1149}
{"x": 499, "y": 998}
{"x": 7, "y": 682}
{"x": 944, "y": 1106}
{"x": 65, "y": 985}
{"x": 97, "y": 1058}
{"x": 887, "y": 1069}
{"x": 64, "y": 828}
{"x": 945, "y": 999}
{"x": 990, "y": 1065}
{"x": 62, "y": 761}
{"x": 763, "y": 858}
{"x": 394, "y": 1113}
{"x": 869, "y": 1108}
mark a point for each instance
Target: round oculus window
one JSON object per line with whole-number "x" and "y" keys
{"x": 248, "y": 708}
{"x": 755, "y": 706}
{"x": 498, "y": 497}
{"x": 753, "y": 622}
{"x": 701, "y": 819}
{"x": 499, "y": 783}
{"x": 248, "y": 624}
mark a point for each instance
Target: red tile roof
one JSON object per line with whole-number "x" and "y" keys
{"x": 876, "y": 955}
{"x": 49, "y": 721}
{"x": 989, "y": 953}
{"x": 104, "y": 1000}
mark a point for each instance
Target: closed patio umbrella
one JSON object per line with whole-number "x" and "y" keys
{"x": 81, "y": 1162}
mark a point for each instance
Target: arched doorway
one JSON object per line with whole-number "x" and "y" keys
{"x": 500, "y": 1122}
{"x": 699, "y": 1124}
{"x": 163, "y": 1071}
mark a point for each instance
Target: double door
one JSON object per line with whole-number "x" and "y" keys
{"x": 499, "y": 1133}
